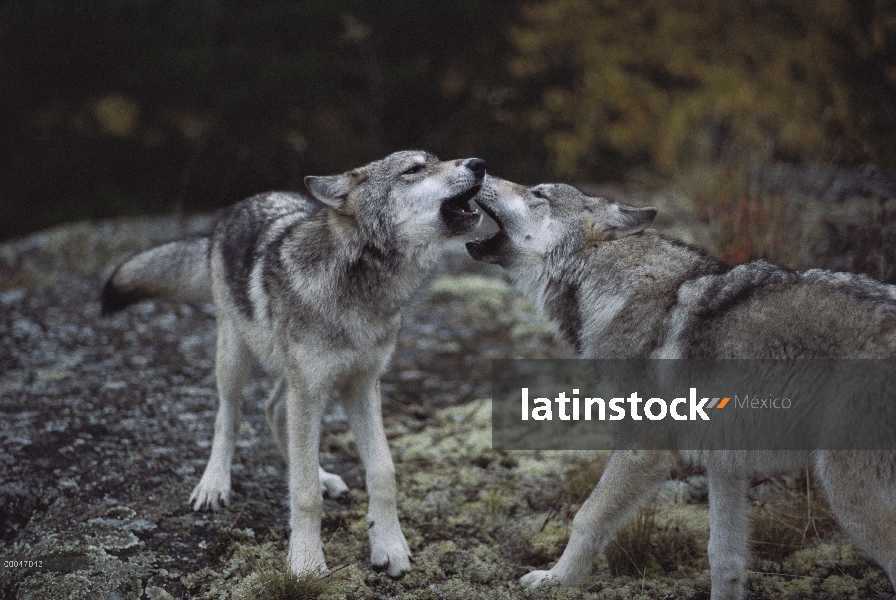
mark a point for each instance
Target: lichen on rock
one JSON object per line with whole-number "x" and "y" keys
{"x": 107, "y": 424}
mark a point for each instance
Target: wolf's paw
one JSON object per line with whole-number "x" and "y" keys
{"x": 396, "y": 562}
{"x": 536, "y": 578}
{"x": 311, "y": 561}
{"x": 332, "y": 486}
{"x": 211, "y": 493}
{"x": 389, "y": 553}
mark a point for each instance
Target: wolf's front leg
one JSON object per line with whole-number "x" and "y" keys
{"x": 388, "y": 547}
{"x": 728, "y": 531}
{"x": 304, "y": 411}
{"x": 624, "y": 485}
{"x": 231, "y": 368}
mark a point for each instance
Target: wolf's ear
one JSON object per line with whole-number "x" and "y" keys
{"x": 334, "y": 189}
{"x": 627, "y": 220}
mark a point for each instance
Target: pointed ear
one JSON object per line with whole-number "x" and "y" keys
{"x": 627, "y": 220}
{"x": 334, "y": 189}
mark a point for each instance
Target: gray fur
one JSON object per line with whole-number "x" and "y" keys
{"x": 618, "y": 290}
{"x": 186, "y": 275}
{"x": 313, "y": 288}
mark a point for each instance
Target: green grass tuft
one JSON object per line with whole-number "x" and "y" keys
{"x": 630, "y": 552}
{"x": 283, "y": 584}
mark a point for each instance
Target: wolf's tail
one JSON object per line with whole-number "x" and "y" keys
{"x": 177, "y": 270}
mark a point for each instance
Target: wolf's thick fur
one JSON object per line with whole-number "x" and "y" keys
{"x": 619, "y": 290}
{"x": 315, "y": 293}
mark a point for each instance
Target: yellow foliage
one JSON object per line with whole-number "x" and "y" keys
{"x": 668, "y": 81}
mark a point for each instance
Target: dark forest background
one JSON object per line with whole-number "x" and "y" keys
{"x": 121, "y": 107}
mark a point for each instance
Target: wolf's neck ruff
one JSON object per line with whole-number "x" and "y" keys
{"x": 344, "y": 263}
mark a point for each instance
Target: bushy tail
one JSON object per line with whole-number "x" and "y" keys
{"x": 177, "y": 270}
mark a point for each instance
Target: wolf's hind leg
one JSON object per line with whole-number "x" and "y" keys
{"x": 861, "y": 488}
{"x": 627, "y": 481}
{"x": 231, "y": 368}
{"x": 331, "y": 485}
{"x": 388, "y": 548}
{"x": 275, "y": 410}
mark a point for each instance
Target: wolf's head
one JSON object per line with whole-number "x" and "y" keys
{"x": 547, "y": 219}
{"x": 410, "y": 194}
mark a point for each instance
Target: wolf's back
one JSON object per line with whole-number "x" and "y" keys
{"x": 178, "y": 270}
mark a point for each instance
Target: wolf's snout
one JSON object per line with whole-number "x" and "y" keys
{"x": 477, "y": 165}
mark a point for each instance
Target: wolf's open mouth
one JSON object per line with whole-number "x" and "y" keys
{"x": 457, "y": 213}
{"x": 489, "y": 247}
{"x": 485, "y": 242}
{"x": 459, "y": 205}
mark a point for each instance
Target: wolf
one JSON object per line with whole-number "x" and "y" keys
{"x": 314, "y": 288}
{"x": 617, "y": 289}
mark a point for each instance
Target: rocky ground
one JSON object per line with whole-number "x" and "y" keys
{"x": 107, "y": 422}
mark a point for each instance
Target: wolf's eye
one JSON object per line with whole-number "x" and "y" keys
{"x": 538, "y": 194}
{"x": 411, "y": 170}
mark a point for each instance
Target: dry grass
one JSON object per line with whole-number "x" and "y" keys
{"x": 582, "y": 478}
{"x": 643, "y": 549}
{"x": 630, "y": 553}
{"x": 675, "y": 548}
{"x": 791, "y": 521}
{"x": 283, "y": 584}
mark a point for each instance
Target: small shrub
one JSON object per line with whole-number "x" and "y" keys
{"x": 494, "y": 499}
{"x": 644, "y": 549}
{"x": 283, "y": 584}
{"x": 674, "y": 548}
{"x": 789, "y": 522}
{"x": 748, "y": 224}
{"x": 630, "y": 553}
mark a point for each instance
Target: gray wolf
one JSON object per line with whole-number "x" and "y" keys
{"x": 313, "y": 289}
{"x": 617, "y": 289}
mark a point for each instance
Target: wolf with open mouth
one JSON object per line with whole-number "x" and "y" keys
{"x": 619, "y": 290}
{"x": 313, "y": 287}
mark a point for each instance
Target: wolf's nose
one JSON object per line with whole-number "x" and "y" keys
{"x": 477, "y": 165}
